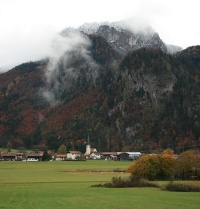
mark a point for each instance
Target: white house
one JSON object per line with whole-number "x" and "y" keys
{"x": 60, "y": 157}
{"x": 74, "y": 155}
{"x": 134, "y": 155}
{"x": 96, "y": 155}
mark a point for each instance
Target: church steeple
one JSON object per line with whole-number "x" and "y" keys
{"x": 88, "y": 140}
{"x": 88, "y": 148}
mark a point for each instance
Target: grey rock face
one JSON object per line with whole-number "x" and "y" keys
{"x": 125, "y": 40}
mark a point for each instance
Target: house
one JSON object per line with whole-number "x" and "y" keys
{"x": 74, "y": 155}
{"x": 109, "y": 155}
{"x": 12, "y": 156}
{"x": 8, "y": 156}
{"x": 128, "y": 155}
{"x": 32, "y": 160}
{"x": 96, "y": 155}
{"x": 93, "y": 150}
{"x": 34, "y": 156}
{"x": 19, "y": 156}
{"x": 134, "y": 155}
{"x": 122, "y": 156}
{"x": 60, "y": 157}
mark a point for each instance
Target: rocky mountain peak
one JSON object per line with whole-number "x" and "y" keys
{"x": 124, "y": 38}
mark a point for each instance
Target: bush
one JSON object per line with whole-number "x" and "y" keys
{"x": 188, "y": 165}
{"x": 177, "y": 187}
{"x": 153, "y": 167}
{"x": 164, "y": 166}
{"x": 118, "y": 182}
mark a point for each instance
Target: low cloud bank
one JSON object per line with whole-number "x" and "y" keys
{"x": 69, "y": 55}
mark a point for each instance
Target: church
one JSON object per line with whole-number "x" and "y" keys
{"x": 91, "y": 153}
{"x": 88, "y": 147}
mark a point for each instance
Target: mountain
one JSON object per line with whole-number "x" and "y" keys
{"x": 124, "y": 38}
{"x": 126, "y": 96}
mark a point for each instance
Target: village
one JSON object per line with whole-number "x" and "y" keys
{"x": 71, "y": 155}
{"x": 90, "y": 153}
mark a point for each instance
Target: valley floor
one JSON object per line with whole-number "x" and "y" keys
{"x": 68, "y": 185}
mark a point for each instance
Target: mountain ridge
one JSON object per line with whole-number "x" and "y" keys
{"x": 122, "y": 33}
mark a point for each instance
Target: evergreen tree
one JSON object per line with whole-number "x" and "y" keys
{"x": 46, "y": 156}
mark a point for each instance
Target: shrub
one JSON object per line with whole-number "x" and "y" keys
{"x": 167, "y": 163}
{"x": 168, "y": 151}
{"x": 177, "y": 187}
{"x": 118, "y": 182}
{"x": 164, "y": 166}
{"x": 153, "y": 167}
{"x": 188, "y": 165}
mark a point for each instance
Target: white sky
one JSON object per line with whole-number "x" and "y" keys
{"x": 27, "y": 27}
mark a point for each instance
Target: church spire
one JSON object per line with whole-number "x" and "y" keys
{"x": 88, "y": 149}
{"x": 88, "y": 140}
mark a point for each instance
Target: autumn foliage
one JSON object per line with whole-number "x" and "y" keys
{"x": 62, "y": 149}
{"x": 188, "y": 165}
{"x": 165, "y": 166}
{"x": 105, "y": 100}
{"x": 153, "y": 166}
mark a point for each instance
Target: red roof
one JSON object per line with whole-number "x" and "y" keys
{"x": 109, "y": 153}
{"x": 8, "y": 154}
{"x": 34, "y": 155}
{"x": 19, "y": 153}
{"x": 75, "y": 152}
{"x": 61, "y": 155}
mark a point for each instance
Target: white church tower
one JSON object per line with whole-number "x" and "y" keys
{"x": 88, "y": 148}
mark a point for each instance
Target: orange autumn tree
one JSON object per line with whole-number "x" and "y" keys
{"x": 167, "y": 164}
{"x": 153, "y": 167}
{"x": 188, "y": 165}
{"x": 168, "y": 151}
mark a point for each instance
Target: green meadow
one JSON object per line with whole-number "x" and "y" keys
{"x": 67, "y": 184}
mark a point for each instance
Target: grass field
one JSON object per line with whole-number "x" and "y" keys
{"x": 52, "y": 185}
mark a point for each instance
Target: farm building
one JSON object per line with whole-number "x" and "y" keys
{"x": 109, "y": 155}
{"x": 8, "y": 156}
{"x": 74, "y": 155}
{"x": 60, "y": 157}
{"x": 96, "y": 155}
{"x": 34, "y": 156}
{"x": 128, "y": 155}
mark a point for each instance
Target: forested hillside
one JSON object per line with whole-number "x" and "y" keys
{"x": 145, "y": 99}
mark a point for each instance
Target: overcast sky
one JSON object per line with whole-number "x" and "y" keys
{"x": 27, "y": 27}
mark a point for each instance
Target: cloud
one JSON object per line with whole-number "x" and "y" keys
{"x": 69, "y": 57}
{"x": 25, "y": 43}
{"x": 27, "y": 27}
{"x": 138, "y": 25}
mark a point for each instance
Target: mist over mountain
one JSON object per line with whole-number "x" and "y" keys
{"x": 126, "y": 88}
{"x": 124, "y": 36}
